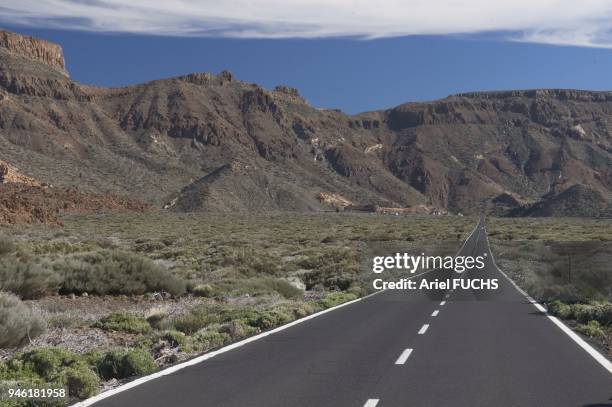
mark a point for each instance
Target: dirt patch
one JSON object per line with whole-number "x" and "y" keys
{"x": 23, "y": 203}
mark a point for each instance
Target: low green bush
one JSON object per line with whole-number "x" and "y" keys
{"x": 49, "y": 362}
{"x": 602, "y": 313}
{"x": 82, "y": 382}
{"x": 110, "y": 365}
{"x": 121, "y": 364}
{"x": 205, "y": 340}
{"x": 55, "y": 365}
{"x": 271, "y": 319}
{"x": 237, "y": 329}
{"x": 193, "y": 321}
{"x": 27, "y": 279}
{"x": 333, "y": 299}
{"x": 560, "y": 309}
{"x": 124, "y": 322}
{"x": 137, "y": 362}
{"x": 583, "y": 313}
{"x": 175, "y": 338}
{"x": 18, "y": 322}
{"x": 592, "y": 329}
{"x": 301, "y": 310}
{"x": 116, "y": 272}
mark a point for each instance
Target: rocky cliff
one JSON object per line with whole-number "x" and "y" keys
{"x": 33, "y": 49}
{"x": 215, "y": 143}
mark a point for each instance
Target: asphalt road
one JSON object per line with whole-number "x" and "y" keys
{"x": 489, "y": 350}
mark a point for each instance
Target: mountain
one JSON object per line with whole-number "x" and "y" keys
{"x": 204, "y": 142}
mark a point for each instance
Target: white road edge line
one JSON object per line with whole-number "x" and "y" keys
{"x": 423, "y": 329}
{"x": 209, "y": 355}
{"x": 371, "y": 403}
{"x": 602, "y": 360}
{"x": 442, "y": 303}
{"x": 435, "y": 313}
{"x": 403, "y": 357}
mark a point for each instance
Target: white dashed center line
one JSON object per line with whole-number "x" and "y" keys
{"x": 371, "y": 403}
{"x": 423, "y": 329}
{"x": 442, "y": 303}
{"x": 435, "y": 313}
{"x": 403, "y": 357}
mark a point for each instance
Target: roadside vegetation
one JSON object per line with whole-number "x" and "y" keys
{"x": 105, "y": 298}
{"x": 564, "y": 264}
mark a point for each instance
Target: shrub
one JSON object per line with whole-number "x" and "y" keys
{"x": 18, "y": 322}
{"x": 592, "y": 329}
{"x": 115, "y": 272}
{"x": 238, "y": 329}
{"x": 560, "y": 309}
{"x": 109, "y": 366}
{"x": 121, "y": 364}
{"x": 27, "y": 279}
{"x": 175, "y": 338}
{"x": 124, "y": 322}
{"x": 48, "y": 362}
{"x": 606, "y": 314}
{"x": 271, "y": 319}
{"x": 333, "y": 299}
{"x": 205, "y": 340}
{"x": 56, "y": 365}
{"x": 196, "y": 319}
{"x": 304, "y": 309}
{"x": 239, "y": 322}
{"x": 582, "y": 312}
{"x": 81, "y": 381}
{"x": 602, "y": 313}
{"x": 137, "y": 362}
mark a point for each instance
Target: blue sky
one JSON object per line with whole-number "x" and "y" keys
{"x": 355, "y": 55}
{"x": 353, "y": 72}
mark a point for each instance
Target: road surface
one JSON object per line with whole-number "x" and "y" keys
{"x": 398, "y": 348}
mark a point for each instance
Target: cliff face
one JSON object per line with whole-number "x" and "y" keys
{"x": 212, "y": 142}
{"x": 33, "y": 48}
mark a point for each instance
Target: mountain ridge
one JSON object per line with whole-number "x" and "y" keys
{"x": 213, "y": 143}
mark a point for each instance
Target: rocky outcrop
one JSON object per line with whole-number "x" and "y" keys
{"x": 10, "y": 174}
{"x": 288, "y": 94}
{"x": 334, "y": 200}
{"x": 34, "y": 49}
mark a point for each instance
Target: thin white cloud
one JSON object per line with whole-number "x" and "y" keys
{"x": 562, "y": 22}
